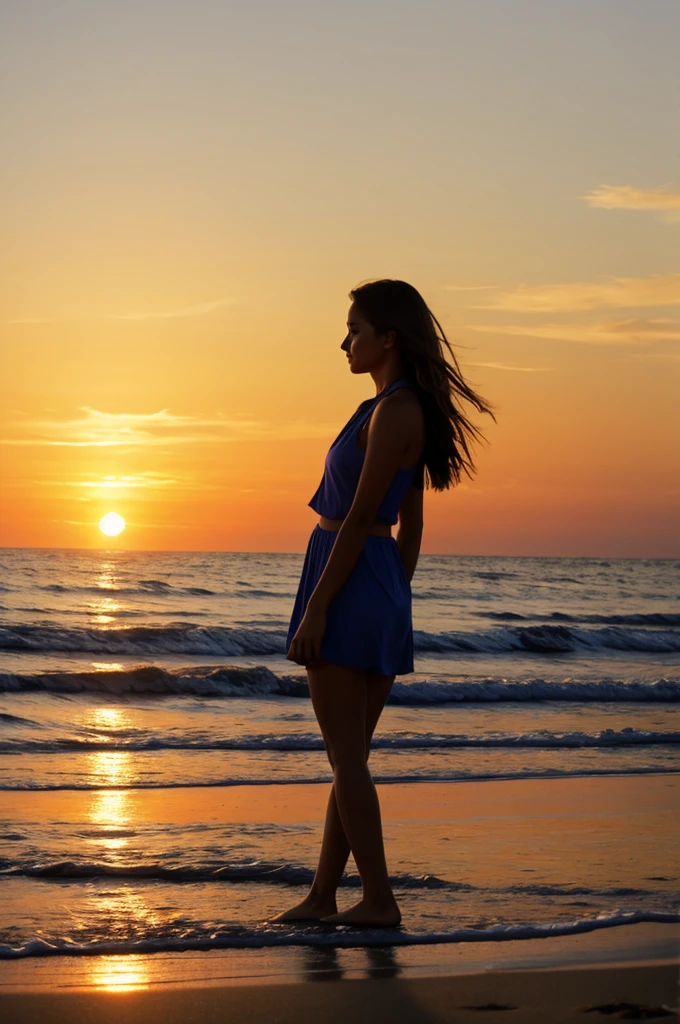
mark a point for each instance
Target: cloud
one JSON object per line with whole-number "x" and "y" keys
{"x": 505, "y": 366}
{"x": 664, "y": 357}
{"x": 469, "y": 288}
{"x": 202, "y": 309}
{"x": 96, "y": 429}
{"x": 104, "y": 483}
{"x": 659, "y": 290}
{"x": 626, "y": 197}
{"x": 614, "y": 332}
{"x": 107, "y": 483}
{"x": 32, "y": 320}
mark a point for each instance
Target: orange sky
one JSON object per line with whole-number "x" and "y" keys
{"x": 191, "y": 207}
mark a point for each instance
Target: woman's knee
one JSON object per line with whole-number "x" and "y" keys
{"x": 347, "y": 758}
{"x": 332, "y": 760}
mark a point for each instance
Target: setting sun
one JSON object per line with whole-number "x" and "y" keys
{"x": 112, "y": 524}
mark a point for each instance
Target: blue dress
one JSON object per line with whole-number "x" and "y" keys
{"x": 368, "y": 622}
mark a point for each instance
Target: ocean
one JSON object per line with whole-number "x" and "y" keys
{"x": 134, "y": 683}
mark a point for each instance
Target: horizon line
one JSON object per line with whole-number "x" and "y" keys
{"x": 254, "y": 551}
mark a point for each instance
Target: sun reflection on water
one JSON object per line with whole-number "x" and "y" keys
{"x": 107, "y": 717}
{"x": 106, "y": 578}
{"x": 109, "y": 808}
{"x": 104, "y": 609}
{"x": 125, "y": 909}
{"x": 109, "y": 767}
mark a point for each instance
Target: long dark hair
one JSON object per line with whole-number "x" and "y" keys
{"x": 397, "y": 306}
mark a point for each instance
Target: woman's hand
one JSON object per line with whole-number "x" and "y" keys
{"x": 305, "y": 647}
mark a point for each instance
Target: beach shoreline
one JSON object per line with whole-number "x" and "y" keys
{"x": 643, "y": 943}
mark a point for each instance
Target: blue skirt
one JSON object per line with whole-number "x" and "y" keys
{"x": 368, "y": 622}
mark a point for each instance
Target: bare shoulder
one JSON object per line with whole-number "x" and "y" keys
{"x": 399, "y": 406}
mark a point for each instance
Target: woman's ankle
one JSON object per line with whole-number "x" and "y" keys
{"x": 382, "y": 899}
{"x": 321, "y": 896}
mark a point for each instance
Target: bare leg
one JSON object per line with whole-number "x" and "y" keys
{"x": 335, "y": 848}
{"x": 333, "y": 856}
{"x": 320, "y": 900}
{"x": 340, "y": 698}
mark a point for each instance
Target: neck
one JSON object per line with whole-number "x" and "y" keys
{"x": 384, "y": 379}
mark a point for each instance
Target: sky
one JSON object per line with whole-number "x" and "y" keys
{"x": 192, "y": 189}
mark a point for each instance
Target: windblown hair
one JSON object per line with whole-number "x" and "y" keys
{"x": 438, "y": 382}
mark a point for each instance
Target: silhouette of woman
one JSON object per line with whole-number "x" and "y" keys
{"x": 351, "y": 625}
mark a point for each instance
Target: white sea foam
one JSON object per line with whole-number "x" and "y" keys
{"x": 240, "y": 937}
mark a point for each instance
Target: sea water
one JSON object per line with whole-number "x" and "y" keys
{"x": 122, "y": 672}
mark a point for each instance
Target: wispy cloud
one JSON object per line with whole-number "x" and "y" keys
{"x": 32, "y": 320}
{"x": 97, "y": 429}
{"x": 110, "y": 483}
{"x": 613, "y": 332}
{"x": 469, "y": 288}
{"x": 661, "y": 357}
{"x": 661, "y": 201}
{"x": 201, "y": 309}
{"x": 505, "y": 366}
{"x": 575, "y": 296}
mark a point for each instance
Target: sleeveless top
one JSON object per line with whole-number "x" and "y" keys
{"x": 344, "y": 462}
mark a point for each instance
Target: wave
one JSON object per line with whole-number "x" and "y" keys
{"x": 160, "y": 587}
{"x": 243, "y": 937}
{"x": 260, "y": 682}
{"x": 495, "y": 575}
{"x": 190, "y": 638}
{"x": 113, "y": 613}
{"x": 669, "y": 619}
{"x": 548, "y": 640}
{"x": 302, "y": 742}
{"x": 425, "y": 775}
{"x": 276, "y": 873}
{"x": 9, "y": 719}
{"x": 256, "y": 871}
{"x": 175, "y": 638}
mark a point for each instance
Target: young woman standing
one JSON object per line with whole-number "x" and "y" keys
{"x": 351, "y": 625}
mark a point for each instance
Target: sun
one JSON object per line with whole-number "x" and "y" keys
{"x": 112, "y": 524}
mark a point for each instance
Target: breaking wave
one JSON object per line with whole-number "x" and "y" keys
{"x": 190, "y": 638}
{"x": 260, "y": 682}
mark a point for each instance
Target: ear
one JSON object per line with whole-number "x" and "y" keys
{"x": 390, "y": 339}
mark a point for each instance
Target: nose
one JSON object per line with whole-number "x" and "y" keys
{"x": 346, "y": 344}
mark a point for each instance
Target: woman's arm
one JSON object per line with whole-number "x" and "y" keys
{"x": 410, "y": 529}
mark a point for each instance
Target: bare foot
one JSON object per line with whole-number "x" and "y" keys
{"x": 308, "y": 910}
{"x": 366, "y": 915}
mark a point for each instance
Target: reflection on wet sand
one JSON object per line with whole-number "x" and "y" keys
{"x": 118, "y": 974}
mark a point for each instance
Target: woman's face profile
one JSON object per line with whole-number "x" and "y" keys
{"x": 365, "y": 350}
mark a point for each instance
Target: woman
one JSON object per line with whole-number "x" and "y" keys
{"x": 351, "y": 624}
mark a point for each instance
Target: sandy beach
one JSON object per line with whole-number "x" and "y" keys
{"x": 212, "y": 989}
